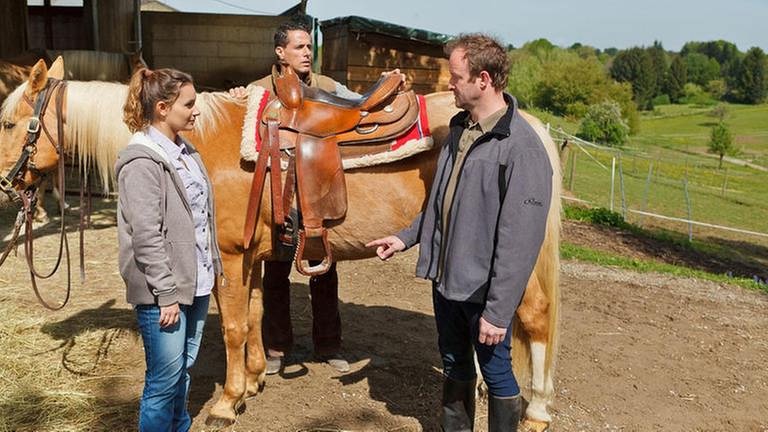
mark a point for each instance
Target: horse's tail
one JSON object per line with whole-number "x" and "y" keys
{"x": 546, "y": 273}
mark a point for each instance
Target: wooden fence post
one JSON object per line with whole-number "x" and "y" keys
{"x": 572, "y": 170}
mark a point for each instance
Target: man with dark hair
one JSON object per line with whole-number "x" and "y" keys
{"x": 480, "y": 233}
{"x": 293, "y": 48}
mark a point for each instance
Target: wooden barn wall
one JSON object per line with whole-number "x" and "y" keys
{"x": 358, "y": 59}
{"x": 114, "y": 24}
{"x": 220, "y": 51}
{"x": 13, "y": 25}
{"x": 59, "y": 28}
{"x": 96, "y": 26}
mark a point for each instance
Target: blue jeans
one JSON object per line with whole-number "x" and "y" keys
{"x": 169, "y": 353}
{"x": 458, "y": 325}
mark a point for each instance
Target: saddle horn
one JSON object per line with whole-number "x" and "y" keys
{"x": 288, "y": 88}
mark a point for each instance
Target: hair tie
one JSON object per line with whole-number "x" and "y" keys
{"x": 146, "y": 73}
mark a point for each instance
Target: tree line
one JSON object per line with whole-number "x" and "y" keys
{"x": 596, "y": 85}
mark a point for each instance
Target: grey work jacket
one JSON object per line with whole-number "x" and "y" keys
{"x": 498, "y": 216}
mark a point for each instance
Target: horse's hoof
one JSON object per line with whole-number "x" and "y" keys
{"x": 533, "y": 426}
{"x": 217, "y": 422}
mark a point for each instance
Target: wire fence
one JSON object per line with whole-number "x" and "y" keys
{"x": 689, "y": 192}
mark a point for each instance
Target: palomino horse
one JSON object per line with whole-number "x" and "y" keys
{"x": 381, "y": 200}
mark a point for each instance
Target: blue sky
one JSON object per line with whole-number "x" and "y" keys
{"x": 600, "y": 23}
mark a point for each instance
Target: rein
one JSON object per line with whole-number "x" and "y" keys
{"x": 28, "y": 197}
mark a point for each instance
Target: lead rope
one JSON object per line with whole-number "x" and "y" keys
{"x": 63, "y": 242}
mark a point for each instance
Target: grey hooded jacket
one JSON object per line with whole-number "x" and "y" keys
{"x": 498, "y": 216}
{"x": 156, "y": 233}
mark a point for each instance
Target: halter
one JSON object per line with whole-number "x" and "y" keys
{"x": 36, "y": 124}
{"x": 28, "y": 196}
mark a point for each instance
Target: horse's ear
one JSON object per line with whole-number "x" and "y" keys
{"x": 57, "y": 69}
{"x": 38, "y": 78}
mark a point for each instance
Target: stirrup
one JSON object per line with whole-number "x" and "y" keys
{"x": 315, "y": 270}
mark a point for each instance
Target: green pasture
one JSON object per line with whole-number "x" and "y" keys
{"x": 687, "y": 128}
{"x": 669, "y": 155}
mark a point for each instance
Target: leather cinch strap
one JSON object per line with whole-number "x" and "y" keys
{"x": 270, "y": 150}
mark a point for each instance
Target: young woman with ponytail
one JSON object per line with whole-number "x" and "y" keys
{"x": 169, "y": 257}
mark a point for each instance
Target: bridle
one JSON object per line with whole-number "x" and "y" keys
{"x": 54, "y": 89}
{"x": 36, "y": 125}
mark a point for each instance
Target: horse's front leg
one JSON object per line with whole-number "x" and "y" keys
{"x": 233, "y": 303}
{"x": 256, "y": 362}
{"x": 534, "y": 317}
{"x": 40, "y": 215}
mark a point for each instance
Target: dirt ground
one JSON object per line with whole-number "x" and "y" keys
{"x": 639, "y": 352}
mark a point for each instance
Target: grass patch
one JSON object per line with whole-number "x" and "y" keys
{"x": 597, "y": 216}
{"x": 665, "y": 238}
{"x": 572, "y": 251}
{"x": 605, "y": 217}
{"x": 731, "y": 197}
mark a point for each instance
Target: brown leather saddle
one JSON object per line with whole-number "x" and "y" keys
{"x": 315, "y": 129}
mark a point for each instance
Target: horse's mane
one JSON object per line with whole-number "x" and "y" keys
{"x": 95, "y": 131}
{"x": 10, "y": 103}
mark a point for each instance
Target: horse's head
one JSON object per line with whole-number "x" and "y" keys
{"x": 30, "y": 129}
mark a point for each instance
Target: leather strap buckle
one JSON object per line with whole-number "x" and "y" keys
{"x": 34, "y": 125}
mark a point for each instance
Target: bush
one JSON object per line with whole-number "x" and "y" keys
{"x": 576, "y": 110}
{"x": 597, "y": 216}
{"x": 695, "y": 95}
{"x": 721, "y": 141}
{"x": 717, "y": 88}
{"x": 603, "y": 123}
{"x": 569, "y": 84}
{"x": 524, "y": 77}
{"x": 661, "y": 100}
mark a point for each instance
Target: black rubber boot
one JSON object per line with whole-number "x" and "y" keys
{"x": 504, "y": 413}
{"x": 458, "y": 412}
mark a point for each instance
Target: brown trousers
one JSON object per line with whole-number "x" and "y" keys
{"x": 326, "y": 321}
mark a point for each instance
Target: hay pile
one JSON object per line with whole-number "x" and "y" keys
{"x": 71, "y": 384}
{"x": 76, "y": 369}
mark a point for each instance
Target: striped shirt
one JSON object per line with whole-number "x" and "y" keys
{"x": 196, "y": 187}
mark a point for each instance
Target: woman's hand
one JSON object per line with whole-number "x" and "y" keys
{"x": 169, "y": 315}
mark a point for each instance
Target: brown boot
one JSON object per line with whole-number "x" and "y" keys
{"x": 504, "y": 413}
{"x": 458, "y": 411}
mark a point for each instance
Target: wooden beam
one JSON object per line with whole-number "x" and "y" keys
{"x": 48, "y": 24}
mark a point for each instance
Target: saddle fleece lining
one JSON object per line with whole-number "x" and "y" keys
{"x": 416, "y": 141}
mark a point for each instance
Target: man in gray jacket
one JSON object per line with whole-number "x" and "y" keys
{"x": 480, "y": 233}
